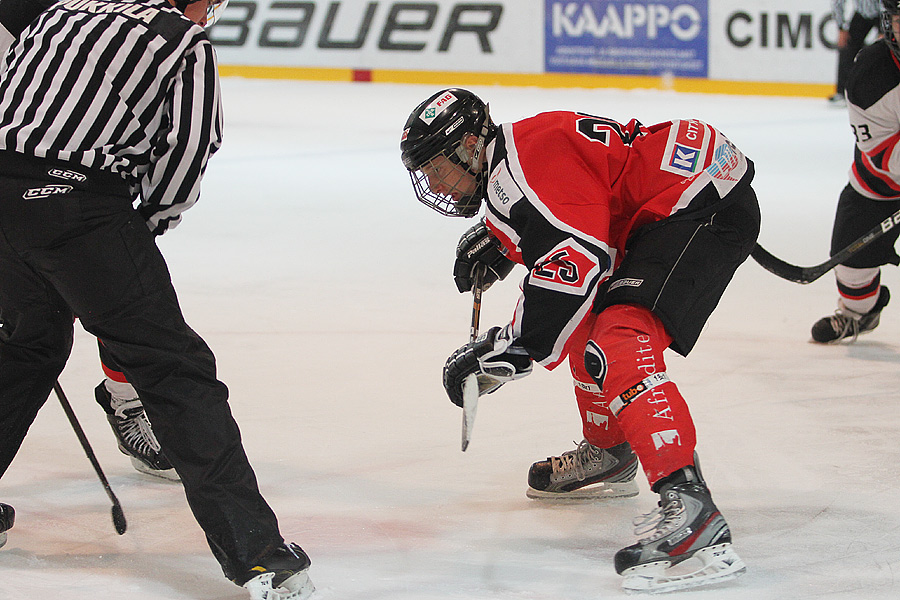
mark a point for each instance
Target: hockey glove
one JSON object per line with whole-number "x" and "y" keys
{"x": 493, "y": 357}
{"x": 478, "y": 246}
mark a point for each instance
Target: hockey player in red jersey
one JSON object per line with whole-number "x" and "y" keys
{"x": 873, "y": 191}
{"x": 630, "y": 235}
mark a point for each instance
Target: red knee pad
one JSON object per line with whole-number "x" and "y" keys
{"x": 624, "y": 355}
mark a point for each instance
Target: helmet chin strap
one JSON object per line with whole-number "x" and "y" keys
{"x": 472, "y": 159}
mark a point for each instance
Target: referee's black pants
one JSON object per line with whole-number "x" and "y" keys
{"x": 72, "y": 247}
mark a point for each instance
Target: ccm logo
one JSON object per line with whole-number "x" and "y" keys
{"x": 66, "y": 174}
{"x": 46, "y": 191}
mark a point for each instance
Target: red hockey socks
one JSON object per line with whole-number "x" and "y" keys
{"x": 624, "y": 355}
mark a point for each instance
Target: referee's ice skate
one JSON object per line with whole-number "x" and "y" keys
{"x": 280, "y": 575}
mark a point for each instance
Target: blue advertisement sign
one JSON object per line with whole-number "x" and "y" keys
{"x": 627, "y": 37}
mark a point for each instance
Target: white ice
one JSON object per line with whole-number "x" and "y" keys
{"x": 324, "y": 288}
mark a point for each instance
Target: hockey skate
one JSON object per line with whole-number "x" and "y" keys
{"x": 845, "y": 323}
{"x": 134, "y": 435}
{"x": 281, "y": 575}
{"x": 688, "y": 542}
{"x": 585, "y": 472}
{"x": 7, "y": 520}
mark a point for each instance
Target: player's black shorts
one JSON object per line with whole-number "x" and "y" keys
{"x": 856, "y": 215}
{"x": 679, "y": 267}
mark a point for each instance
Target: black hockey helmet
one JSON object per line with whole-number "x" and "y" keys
{"x": 890, "y": 9}
{"x": 439, "y": 127}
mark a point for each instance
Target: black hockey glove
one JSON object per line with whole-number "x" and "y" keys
{"x": 493, "y": 357}
{"x": 478, "y": 246}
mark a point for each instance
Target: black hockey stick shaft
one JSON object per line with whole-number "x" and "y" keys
{"x": 804, "y": 275}
{"x": 118, "y": 515}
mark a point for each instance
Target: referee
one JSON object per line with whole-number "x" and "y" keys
{"x": 104, "y": 105}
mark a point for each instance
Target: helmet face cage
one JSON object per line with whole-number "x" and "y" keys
{"x": 446, "y": 173}
{"x": 890, "y": 8}
{"x": 461, "y": 189}
{"x": 214, "y": 10}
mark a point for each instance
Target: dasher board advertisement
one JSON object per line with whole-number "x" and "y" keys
{"x": 627, "y": 37}
{"x": 497, "y": 36}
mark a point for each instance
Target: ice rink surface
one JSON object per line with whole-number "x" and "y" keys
{"x": 325, "y": 291}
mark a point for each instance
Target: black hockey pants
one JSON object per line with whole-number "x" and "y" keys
{"x": 71, "y": 245}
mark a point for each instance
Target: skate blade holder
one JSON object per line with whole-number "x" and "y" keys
{"x": 708, "y": 566}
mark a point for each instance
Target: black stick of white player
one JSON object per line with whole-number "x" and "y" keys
{"x": 470, "y": 385}
{"x": 797, "y": 274}
{"x": 118, "y": 516}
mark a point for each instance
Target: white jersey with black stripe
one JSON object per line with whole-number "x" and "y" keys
{"x": 873, "y": 94}
{"x": 129, "y": 86}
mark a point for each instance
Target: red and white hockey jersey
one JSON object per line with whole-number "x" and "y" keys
{"x": 565, "y": 192}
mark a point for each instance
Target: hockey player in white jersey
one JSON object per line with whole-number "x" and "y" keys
{"x": 873, "y": 191}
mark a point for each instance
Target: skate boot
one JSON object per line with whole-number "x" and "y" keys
{"x": 133, "y": 433}
{"x": 585, "y": 472}
{"x": 846, "y": 323}
{"x": 688, "y": 542}
{"x": 281, "y": 575}
{"x": 7, "y": 520}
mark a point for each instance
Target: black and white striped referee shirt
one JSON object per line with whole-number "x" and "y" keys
{"x": 129, "y": 86}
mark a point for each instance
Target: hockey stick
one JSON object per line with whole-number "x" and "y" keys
{"x": 797, "y": 274}
{"x": 118, "y": 516}
{"x": 470, "y": 385}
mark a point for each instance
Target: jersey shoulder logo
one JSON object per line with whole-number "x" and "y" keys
{"x": 502, "y": 190}
{"x": 687, "y": 144}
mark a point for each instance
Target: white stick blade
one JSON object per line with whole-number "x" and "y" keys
{"x": 470, "y": 405}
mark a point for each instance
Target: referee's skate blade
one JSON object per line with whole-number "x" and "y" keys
{"x": 296, "y": 587}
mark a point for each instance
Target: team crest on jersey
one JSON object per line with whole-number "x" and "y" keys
{"x": 685, "y": 149}
{"x": 568, "y": 268}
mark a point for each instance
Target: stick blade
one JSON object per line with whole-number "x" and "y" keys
{"x": 470, "y": 406}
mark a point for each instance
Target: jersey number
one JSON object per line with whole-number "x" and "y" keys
{"x": 567, "y": 268}
{"x": 861, "y": 132}
{"x": 557, "y": 268}
{"x": 598, "y": 129}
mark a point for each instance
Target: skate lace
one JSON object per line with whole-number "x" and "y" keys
{"x": 660, "y": 522}
{"x": 845, "y": 325}
{"x": 124, "y": 408}
{"x": 575, "y": 460}
{"x": 137, "y": 434}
